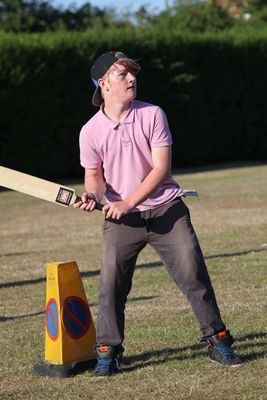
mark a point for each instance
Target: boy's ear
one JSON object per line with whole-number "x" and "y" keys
{"x": 103, "y": 84}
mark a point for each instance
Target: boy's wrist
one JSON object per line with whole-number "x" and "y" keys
{"x": 131, "y": 203}
{"x": 93, "y": 195}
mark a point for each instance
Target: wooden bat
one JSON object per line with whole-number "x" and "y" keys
{"x": 40, "y": 188}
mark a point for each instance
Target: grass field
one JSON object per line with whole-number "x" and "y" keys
{"x": 163, "y": 357}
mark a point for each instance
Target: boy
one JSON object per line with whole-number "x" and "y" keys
{"x": 126, "y": 152}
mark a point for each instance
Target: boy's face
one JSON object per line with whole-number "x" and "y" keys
{"x": 118, "y": 84}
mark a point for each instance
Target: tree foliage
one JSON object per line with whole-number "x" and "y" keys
{"x": 196, "y": 17}
{"x": 41, "y": 16}
{"x": 212, "y": 87}
{"x": 204, "y": 16}
{"x": 185, "y": 15}
{"x": 258, "y": 11}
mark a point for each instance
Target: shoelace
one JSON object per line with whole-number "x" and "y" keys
{"x": 226, "y": 351}
{"x": 106, "y": 365}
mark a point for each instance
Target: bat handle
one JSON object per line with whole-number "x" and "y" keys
{"x": 98, "y": 206}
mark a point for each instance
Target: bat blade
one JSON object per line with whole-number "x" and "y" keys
{"x": 38, "y": 187}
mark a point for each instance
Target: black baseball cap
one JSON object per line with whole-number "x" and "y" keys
{"x": 99, "y": 68}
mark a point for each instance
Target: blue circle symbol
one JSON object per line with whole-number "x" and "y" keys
{"x": 51, "y": 319}
{"x": 76, "y": 317}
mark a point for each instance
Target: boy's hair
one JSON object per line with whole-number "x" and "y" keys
{"x": 129, "y": 64}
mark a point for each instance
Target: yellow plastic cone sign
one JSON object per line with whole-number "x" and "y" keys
{"x": 69, "y": 327}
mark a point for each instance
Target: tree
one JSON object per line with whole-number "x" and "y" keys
{"x": 41, "y": 16}
{"x": 195, "y": 17}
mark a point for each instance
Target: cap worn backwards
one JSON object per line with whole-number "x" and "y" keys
{"x": 99, "y": 68}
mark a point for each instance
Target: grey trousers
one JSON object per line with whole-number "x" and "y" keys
{"x": 169, "y": 231}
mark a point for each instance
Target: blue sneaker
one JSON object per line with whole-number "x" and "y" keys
{"x": 220, "y": 350}
{"x": 108, "y": 360}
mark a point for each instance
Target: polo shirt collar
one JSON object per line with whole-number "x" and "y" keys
{"x": 129, "y": 119}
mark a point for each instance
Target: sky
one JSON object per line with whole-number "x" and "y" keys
{"x": 154, "y": 6}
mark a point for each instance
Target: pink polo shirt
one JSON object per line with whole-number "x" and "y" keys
{"x": 124, "y": 151}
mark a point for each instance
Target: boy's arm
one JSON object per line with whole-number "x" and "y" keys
{"x": 94, "y": 185}
{"x": 161, "y": 170}
{"x": 161, "y": 157}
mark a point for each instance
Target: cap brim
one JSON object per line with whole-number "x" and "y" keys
{"x": 97, "y": 98}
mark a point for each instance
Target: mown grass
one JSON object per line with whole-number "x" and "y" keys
{"x": 163, "y": 357}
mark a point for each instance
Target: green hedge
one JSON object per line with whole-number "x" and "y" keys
{"x": 212, "y": 88}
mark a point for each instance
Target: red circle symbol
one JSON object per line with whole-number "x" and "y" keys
{"x": 51, "y": 319}
{"x": 76, "y": 317}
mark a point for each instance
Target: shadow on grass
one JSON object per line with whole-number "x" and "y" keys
{"x": 156, "y": 357}
{"x": 194, "y": 351}
{"x": 41, "y": 280}
{"x": 36, "y": 314}
{"x": 7, "y": 318}
{"x": 16, "y": 254}
{"x": 89, "y": 274}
